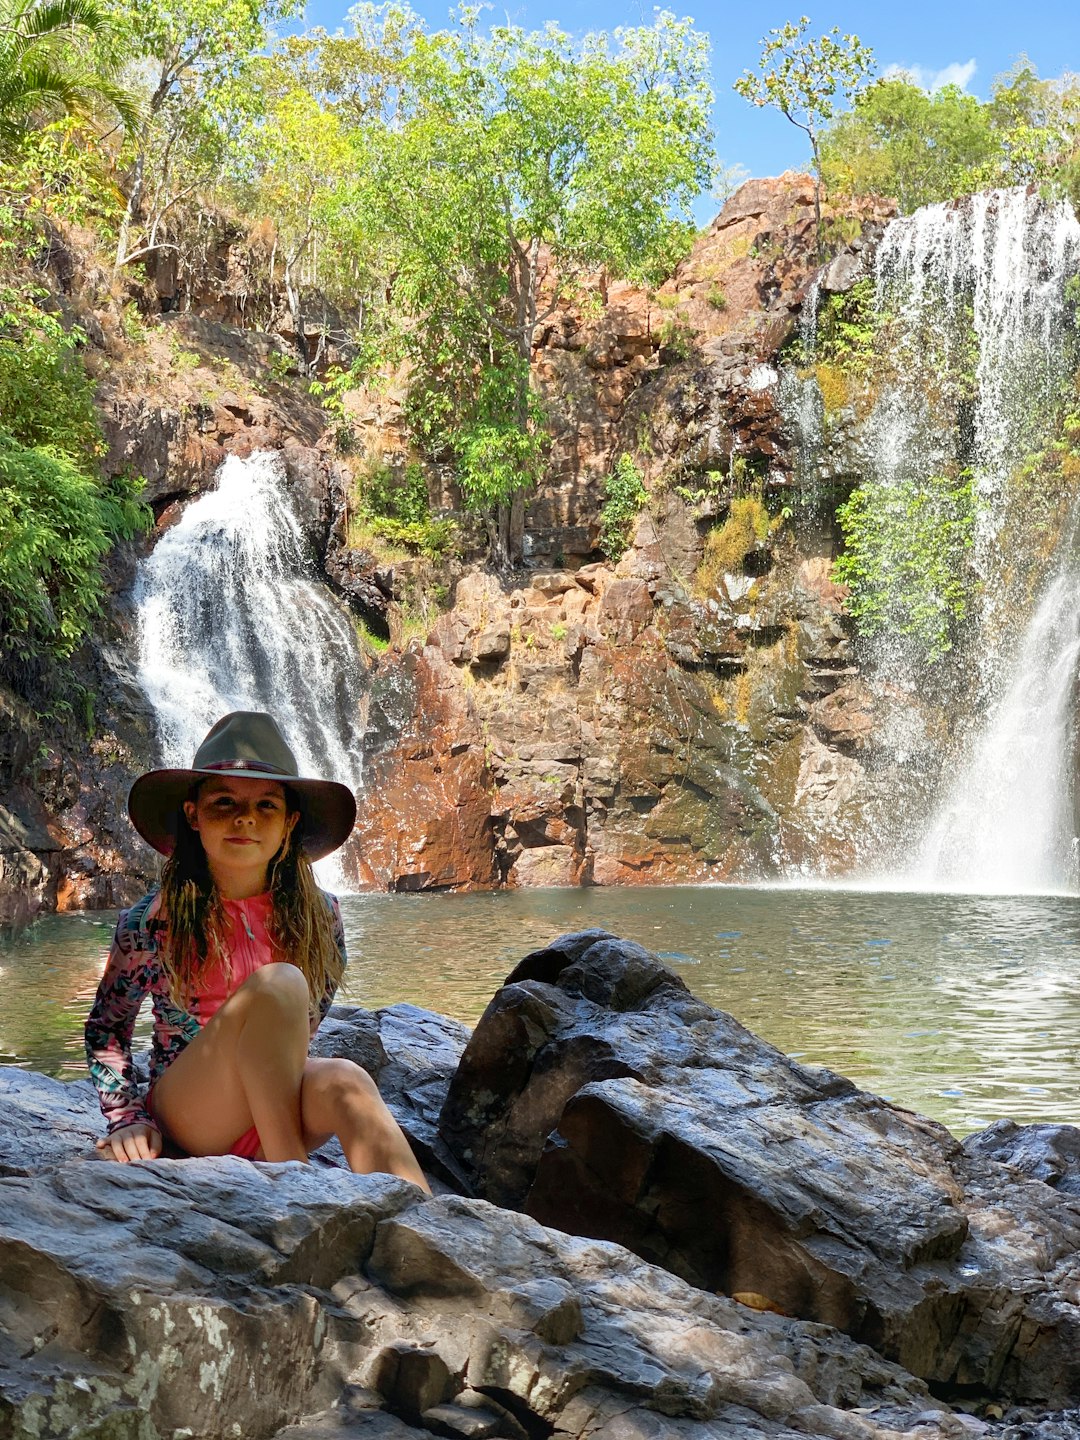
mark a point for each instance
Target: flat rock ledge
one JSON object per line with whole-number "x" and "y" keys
{"x": 220, "y": 1298}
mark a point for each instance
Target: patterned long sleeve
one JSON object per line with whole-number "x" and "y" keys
{"x": 339, "y": 940}
{"x": 129, "y": 975}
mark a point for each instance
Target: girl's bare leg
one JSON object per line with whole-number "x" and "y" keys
{"x": 244, "y": 1068}
{"x": 339, "y": 1098}
{"x": 249, "y": 1066}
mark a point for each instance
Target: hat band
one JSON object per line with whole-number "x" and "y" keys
{"x": 260, "y": 765}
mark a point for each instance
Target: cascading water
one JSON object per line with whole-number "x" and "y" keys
{"x": 1008, "y": 823}
{"x": 229, "y": 618}
{"x": 983, "y": 282}
{"x": 976, "y": 292}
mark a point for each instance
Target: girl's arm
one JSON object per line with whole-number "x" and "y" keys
{"x": 339, "y": 940}
{"x": 129, "y": 973}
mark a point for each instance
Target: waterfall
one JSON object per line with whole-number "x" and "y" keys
{"x": 974, "y": 297}
{"x": 1007, "y": 824}
{"x": 230, "y": 618}
{"x": 981, "y": 283}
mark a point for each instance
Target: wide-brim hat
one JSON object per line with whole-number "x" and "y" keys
{"x": 247, "y": 745}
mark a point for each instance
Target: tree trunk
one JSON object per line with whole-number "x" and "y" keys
{"x": 131, "y": 210}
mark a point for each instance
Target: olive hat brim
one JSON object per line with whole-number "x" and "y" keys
{"x": 327, "y": 808}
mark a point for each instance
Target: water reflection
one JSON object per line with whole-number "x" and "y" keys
{"x": 964, "y": 1007}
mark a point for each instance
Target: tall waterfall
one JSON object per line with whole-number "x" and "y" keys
{"x": 1008, "y": 823}
{"x": 229, "y": 618}
{"x": 979, "y": 290}
{"x": 981, "y": 282}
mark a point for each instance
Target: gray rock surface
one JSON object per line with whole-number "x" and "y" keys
{"x": 599, "y": 1095}
{"x": 180, "y": 1299}
{"x": 219, "y": 1297}
{"x": 1050, "y": 1153}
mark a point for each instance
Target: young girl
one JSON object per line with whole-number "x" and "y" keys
{"x": 241, "y": 954}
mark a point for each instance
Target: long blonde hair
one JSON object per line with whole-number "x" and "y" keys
{"x": 197, "y": 926}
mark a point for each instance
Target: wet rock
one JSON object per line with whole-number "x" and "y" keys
{"x": 1050, "y": 1153}
{"x": 597, "y": 1093}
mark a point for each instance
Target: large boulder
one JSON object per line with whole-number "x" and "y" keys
{"x": 218, "y": 1297}
{"x": 600, "y": 1096}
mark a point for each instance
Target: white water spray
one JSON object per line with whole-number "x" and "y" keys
{"x": 1008, "y": 824}
{"x": 229, "y": 618}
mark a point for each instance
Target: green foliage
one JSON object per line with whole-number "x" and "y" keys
{"x": 515, "y": 158}
{"x": 58, "y": 524}
{"x": 394, "y": 507}
{"x": 716, "y": 297}
{"x": 46, "y": 398}
{"x": 48, "y": 68}
{"x": 906, "y": 560}
{"x": 625, "y": 494}
{"x": 58, "y": 521}
{"x": 808, "y": 79}
{"x": 900, "y": 141}
{"x": 676, "y": 336}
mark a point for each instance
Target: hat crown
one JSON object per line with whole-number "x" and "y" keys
{"x": 246, "y": 740}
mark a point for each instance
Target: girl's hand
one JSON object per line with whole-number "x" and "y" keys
{"x": 131, "y": 1142}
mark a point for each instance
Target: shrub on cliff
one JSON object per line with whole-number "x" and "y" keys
{"x": 57, "y": 519}
{"x": 625, "y": 494}
{"x": 906, "y": 560}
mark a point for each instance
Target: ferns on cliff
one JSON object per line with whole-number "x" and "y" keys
{"x": 57, "y": 519}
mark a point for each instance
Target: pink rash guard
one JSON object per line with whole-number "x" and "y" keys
{"x": 133, "y": 971}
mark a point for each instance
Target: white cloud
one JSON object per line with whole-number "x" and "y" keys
{"x": 959, "y": 74}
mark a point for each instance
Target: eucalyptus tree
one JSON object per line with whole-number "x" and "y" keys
{"x": 194, "y": 57}
{"x": 515, "y": 167}
{"x": 808, "y": 79}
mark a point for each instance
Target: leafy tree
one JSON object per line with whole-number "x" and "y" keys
{"x": 308, "y": 181}
{"x": 900, "y": 141}
{"x": 48, "y": 68}
{"x": 519, "y": 165}
{"x": 197, "y": 54}
{"x": 807, "y": 79}
{"x": 1038, "y": 124}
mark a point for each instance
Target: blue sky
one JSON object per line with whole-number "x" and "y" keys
{"x": 958, "y": 39}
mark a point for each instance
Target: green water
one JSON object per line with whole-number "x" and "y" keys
{"x": 966, "y": 1008}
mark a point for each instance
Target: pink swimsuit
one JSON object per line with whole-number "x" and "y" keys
{"x": 251, "y": 949}
{"x": 133, "y": 973}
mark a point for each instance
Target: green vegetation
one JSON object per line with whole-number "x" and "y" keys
{"x": 897, "y": 140}
{"x": 906, "y": 560}
{"x": 625, "y": 494}
{"x": 902, "y": 142}
{"x": 57, "y": 518}
{"x": 393, "y": 507}
{"x": 808, "y": 79}
{"x": 47, "y": 70}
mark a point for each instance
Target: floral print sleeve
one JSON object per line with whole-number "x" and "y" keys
{"x": 339, "y": 940}
{"x": 131, "y": 972}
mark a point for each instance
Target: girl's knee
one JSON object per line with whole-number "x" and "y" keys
{"x": 279, "y": 981}
{"x": 341, "y": 1081}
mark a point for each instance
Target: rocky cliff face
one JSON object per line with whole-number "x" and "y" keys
{"x": 579, "y": 721}
{"x": 645, "y": 722}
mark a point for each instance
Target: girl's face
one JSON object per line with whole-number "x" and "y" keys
{"x": 242, "y": 824}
